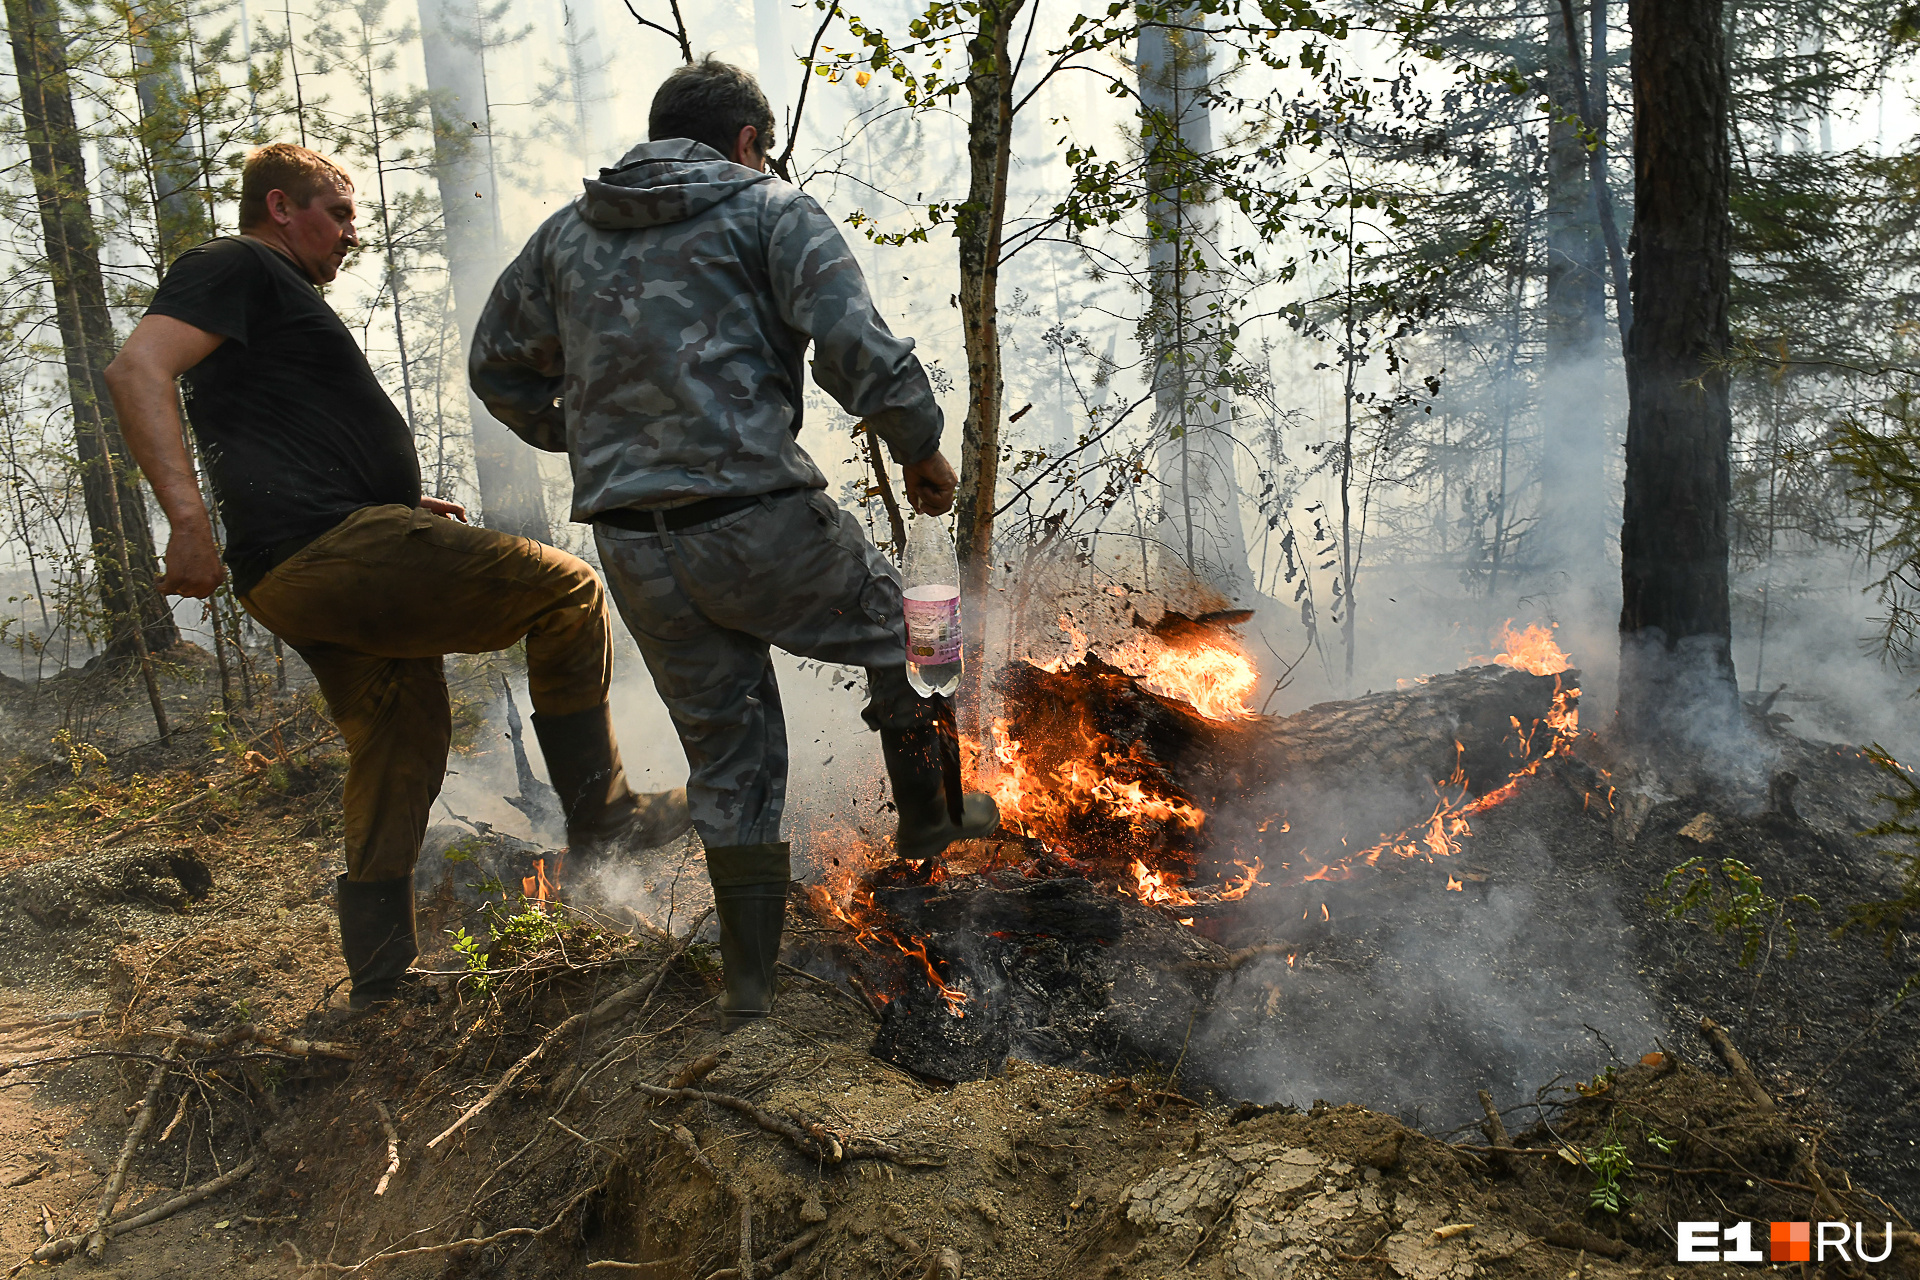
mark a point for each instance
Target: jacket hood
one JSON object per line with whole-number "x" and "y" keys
{"x": 663, "y": 182}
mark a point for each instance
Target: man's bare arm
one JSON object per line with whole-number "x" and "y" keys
{"x": 141, "y": 381}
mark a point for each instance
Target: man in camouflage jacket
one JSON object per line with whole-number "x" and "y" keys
{"x": 655, "y": 330}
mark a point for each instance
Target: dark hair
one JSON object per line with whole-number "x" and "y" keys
{"x": 282, "y": 166}
{"x": 710, "y": 101}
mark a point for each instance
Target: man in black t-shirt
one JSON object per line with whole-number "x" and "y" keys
{"x": 334, "y": 548}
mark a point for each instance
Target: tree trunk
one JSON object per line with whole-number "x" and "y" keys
{"x": 452, "y": 39}
{"x": 1569, "y": 547}
{"x": 122, "y": 551}
{"x": 1676, "y": 661}
{"x": 1200, "y": 530}
{"x": 174, "y": 173}
{"x": 978, "y": 228}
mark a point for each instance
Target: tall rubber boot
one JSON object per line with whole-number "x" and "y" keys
{"x": 376, "y": 936}
{"x": 750, "y": 899}
{"x": 604, "y": 815}
{"x": 918, "y": 777}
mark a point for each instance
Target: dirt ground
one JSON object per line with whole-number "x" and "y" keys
{"x": 800, "y": 1153}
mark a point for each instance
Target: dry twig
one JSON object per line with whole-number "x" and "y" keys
{"x": 393, "y": 1149}
{"x": 1496, "y": 1130}
{"x": 815, "y": 1142}
{"x": 768, "y": 1265}
{"x": 96, "y": 1245}
{"x": 470, "y": 1242}
{"x": 615, "y": 1005}
{"x": 65, "y": 1246}
{"x": 247, "y": 1031}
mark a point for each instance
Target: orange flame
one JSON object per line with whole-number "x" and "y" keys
{"x": 1439, "y": 836}
{"x": 864, "y": 935}
{"x": 1532, "y": 650}
{"x": 1214, "y": 677}
{"x": 1034, "y": 806}
{"x": 536, "y": 887}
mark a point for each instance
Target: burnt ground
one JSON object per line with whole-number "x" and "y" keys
{"x": 1152, "y": 1166}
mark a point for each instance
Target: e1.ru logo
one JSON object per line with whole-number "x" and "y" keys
{"x": 1786, "y": 1242}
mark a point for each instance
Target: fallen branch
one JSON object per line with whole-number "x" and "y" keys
{"x": 1496, "y": 1130}
{"x": 689, "y": 1143}
{"x": 248, "y": 1032}
{"x": 65, "y": 1246}
{"x": 815, "y": 1145}
{"x": 635, "y": 994}
{"x": 142, "y": 824}
{"x": 179, "y": 1114}
{"x": 96, "y": 1246}
{"x": 22, "y": 1179}
{"x": 1806, "y": 1159}
{"x": 767, "y": 1266}
{"x": 1723, "y": 1047}
{"x": 393, "y": 1149}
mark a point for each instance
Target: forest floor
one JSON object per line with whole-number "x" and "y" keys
{"x": 186, "y": 888}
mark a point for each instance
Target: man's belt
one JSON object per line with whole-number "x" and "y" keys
{"x": 674, "y": 519}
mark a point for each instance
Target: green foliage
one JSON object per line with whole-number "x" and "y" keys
{"x": 1610, "y": 1166}
{"x": 1734, "y": 901}
{"x": 467, "y": 947}
{"x": 1888, "y": 917}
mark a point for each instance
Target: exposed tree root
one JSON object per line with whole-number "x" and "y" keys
{"x": 65, "y": 1246}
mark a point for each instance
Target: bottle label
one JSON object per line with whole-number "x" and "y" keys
{"x": 933, "y": 625}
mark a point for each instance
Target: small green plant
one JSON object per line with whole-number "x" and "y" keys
{"x": 524, "y": 930}
{"x": 1610, "y": 1166}
{"x": 467, "y": 947}
{"x": 1734, "y": 900}
{"x": 1664, "y": 1146}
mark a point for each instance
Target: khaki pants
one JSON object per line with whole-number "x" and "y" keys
{"x": 374, "y": 603}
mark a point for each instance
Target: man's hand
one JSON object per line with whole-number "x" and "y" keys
{"x": 930, "y": 484}
{"x": 193, "y": 564}
{"x": 439, "y": 507}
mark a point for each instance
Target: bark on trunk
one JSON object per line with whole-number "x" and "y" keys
{"x": 989, "y": 146}
{"x": 1676, "y": 671}
{"x": 123, "y": 554}
{"x": 452, "y": 42}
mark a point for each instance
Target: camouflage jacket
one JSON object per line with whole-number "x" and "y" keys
{"x": 655, "y": 331}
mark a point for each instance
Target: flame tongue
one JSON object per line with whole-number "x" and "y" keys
{"x": 1532, "y": 650}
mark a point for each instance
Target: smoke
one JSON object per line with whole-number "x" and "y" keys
{"x": 1438, "y": 996}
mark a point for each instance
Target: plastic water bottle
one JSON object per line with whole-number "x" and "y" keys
{"x": 931, "y": 576}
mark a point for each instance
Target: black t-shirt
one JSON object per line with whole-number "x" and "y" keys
{"x": 296, "y": 431}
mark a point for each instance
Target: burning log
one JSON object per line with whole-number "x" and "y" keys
{"x": 1142, "y": 779}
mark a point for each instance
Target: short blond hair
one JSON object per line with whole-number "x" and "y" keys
{"x": 283, "y": 166}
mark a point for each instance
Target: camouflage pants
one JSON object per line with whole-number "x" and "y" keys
{"x": 706, "y": 604}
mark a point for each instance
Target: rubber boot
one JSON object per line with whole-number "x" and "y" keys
{"x": 918, "y": 778}
{"x": 750, "y": 899}
{"x": 604, "y": 815}
{"x": 376, "y": 937}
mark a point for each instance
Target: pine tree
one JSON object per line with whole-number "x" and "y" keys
{"x": 138, "y": 620}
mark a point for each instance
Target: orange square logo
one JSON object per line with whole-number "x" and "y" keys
{"x": 1791, "y": 1242}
